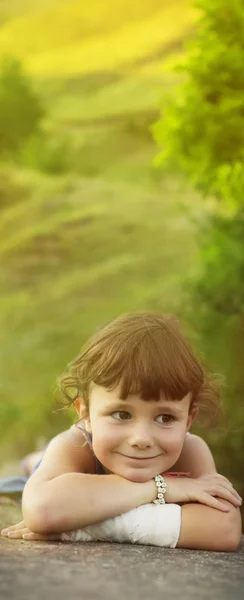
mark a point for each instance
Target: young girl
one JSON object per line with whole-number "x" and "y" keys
{"x": 137, "y": 388}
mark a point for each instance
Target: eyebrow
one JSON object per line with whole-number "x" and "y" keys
{"x": 122, "y": 405}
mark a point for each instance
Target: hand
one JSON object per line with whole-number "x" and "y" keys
{"x": 20, "y": 531}
{"x": 202, "y": 490}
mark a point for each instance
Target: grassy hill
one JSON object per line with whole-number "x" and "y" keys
{"x": 13, "y": 9}
{"x": 108, "y": 236}
{"x": 74, "y": 254}
{"x": 91, "y": 60}
{"x": 70, "y": 38}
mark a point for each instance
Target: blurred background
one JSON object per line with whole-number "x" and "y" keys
{"x": 121, "y": 189}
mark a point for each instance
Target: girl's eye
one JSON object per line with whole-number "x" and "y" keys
{"x": 166, "y": 419}
{"x": 120, "y": 415}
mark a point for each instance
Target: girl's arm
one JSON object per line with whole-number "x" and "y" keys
{"x": 205, "y": 528}
{"x": 74, "y": 500}
{"x": 65, "y": 494}
{"x": 201, "y": 528}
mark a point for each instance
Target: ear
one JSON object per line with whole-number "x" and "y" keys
{"x": 192, "y": 416}
{"x": 82, "y": 412}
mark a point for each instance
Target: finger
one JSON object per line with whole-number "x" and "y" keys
{"x": 222, "y": 485}
{"x": 233, "y": 492}
{"x": 5, "y": 531}
{"x": 30, "y": 536}
{"x": 18, "y": 533}
{"x": 227, "y": 486}
{"x": 215, "y": 482}
{"x": 217, "y": 478}
{"x": 19, "y": 525}
{"x": 212, "y": 502}
{"x": 227, "y": 494}
{"x": 224, "y": 478}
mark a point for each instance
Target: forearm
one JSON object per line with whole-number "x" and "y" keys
{"x": 75, "y": 500}
{"x": 205, "y": 528}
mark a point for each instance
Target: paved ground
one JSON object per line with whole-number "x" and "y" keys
{"x": 53, "y": 570}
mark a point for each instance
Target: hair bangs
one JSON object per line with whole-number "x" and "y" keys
{"x": 142, "y": 354}
{"x": 149, "y": 364}
{"x": 155, "y": 370}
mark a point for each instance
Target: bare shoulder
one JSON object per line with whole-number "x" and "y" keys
{"x": 194, "y": 441}
{"x": 196, "y": 457}
{"x": 191, "y": 439}
{"x": 68, "y": 452}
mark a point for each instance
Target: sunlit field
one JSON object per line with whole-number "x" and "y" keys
{"x": 107, "y": 235}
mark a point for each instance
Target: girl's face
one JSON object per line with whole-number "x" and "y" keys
{"x": 134, "y": 438}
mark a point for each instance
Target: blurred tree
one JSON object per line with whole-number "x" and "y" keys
{"x": 201, "y": 132}
{"x": 20, "y": 109}
{"x": 202, "y": 128}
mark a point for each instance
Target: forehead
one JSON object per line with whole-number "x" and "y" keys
{"x": 101, "y": 397}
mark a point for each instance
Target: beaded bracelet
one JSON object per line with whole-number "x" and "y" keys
{"x": 161, "y": 489}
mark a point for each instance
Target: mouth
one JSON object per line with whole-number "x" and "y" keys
{"x": 141, "y": 459}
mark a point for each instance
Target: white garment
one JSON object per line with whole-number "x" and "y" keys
{"x": 149, "y": 524}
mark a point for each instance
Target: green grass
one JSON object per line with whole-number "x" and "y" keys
{"x": 106, "y": 237}
{"x": 71, "y": 38}
{"x": 130, "y": 94}
{"x": 75, "y": 255}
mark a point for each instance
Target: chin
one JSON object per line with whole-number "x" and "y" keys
{"x": 138, "y": 475}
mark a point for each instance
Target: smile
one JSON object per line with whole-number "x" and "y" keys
{"x": 141, "y": 458}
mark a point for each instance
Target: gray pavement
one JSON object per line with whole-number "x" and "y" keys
{"x": 99, "y": 571}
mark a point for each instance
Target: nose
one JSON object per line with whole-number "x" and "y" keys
{"x": 141, "y": 436}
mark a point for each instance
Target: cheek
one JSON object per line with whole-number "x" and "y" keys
{"x": 104, "y": 440}
{"x": 174, "y": 440}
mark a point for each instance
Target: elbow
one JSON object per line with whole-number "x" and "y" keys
{"x": 36, "y": 510}
{"x": 36, "y": 517}
{"x": 231, "y": 543}
{"x": 233, "y": 531}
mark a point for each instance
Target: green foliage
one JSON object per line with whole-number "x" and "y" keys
{"x": 46, "y": 154}
{"x": 202, "y": 129}
{"x": 229, "y": 186}
{"x": 201, "y": 133}
{"x": 21, "y": 114}
{"x": 20, "y": 109}
{"x": 220, "y": 289}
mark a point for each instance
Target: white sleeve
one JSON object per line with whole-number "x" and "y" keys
{"x": 149, "y": 524}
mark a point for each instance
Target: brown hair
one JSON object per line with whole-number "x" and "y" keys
{"x": 144, "y": 353}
